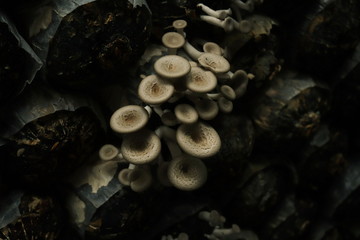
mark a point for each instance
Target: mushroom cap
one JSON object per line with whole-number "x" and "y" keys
{"x": 228, "y": 92}
{"x": 211, "y": 47}
{"x": 200, "y": 81}
{"x": 225, "y": 105}
{"x": 140, "y": 179}
{"x": 187, "y": 173}
{"x": 129, "y": 119}
{"x": 186, "y": 113}
{"x": 179, "y": 24}
{"x": 155, "y": 90}
{"x": 108, "y": 152}
{"x": 172, "y": 66}
{"x": 199, "y": 139}
{"x": 173, "y": 40}
{"x": 141, "y": 147}
{"x": 124, "y": 176}
{"x": 213, "y": 62}
{"x": 207, "y": 109}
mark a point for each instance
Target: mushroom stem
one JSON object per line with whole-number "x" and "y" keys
{"x": 192, "y": 51}
{"x": 169, "y": 135}
{"x": 220, "y": 14}
{"x": 226, "y": 24}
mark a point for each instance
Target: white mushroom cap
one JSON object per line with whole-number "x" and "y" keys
{"x": 185, "y": 113}
{"x": 211, "y": 47}
{"x": 214, "y": 63}
{"x": 173, "y": 41}
{"x": 172, "y": 66}
{"x": 128, "y": 119}
{"x": 155, "y": 90}
{"x": 200, "y": 81}
{"x": 140, "y": 178}
{"x": 108, "y": 152}
{"x": 187, "y": 173}
{"x": 141, "y": 147}
{"x": 207, "y": 109}
{"x": 199, "y": 140}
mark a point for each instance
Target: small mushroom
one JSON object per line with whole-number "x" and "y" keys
{"x": 225, "y": 105}
{"x": 140, "y": 178}
{"x": 129, "y": 119}
{"x": 141, "y": 147}
{"x": 200, "y": 81}
{"x": 123, "y": 176}
{"x": 213, "y": 218}
{"x": 187, "y": 173}
{"x": 173, "y": 41}
{"x": 227, "y": 233}
{"x": 239, "y": 82}
{"x": 213, "y": 62}
{"x": 225, "y": 91}
{"x": 199, "y": 139}
{"x": 206, "y": 108}
{"x": 155, "y": 90}
{"x": 185, "y": 113}
{"x": 180, "y": 25}
{"x": 108, "y": 152}
{"x": 172, "y": 67}
{"x": 211, "y": 47}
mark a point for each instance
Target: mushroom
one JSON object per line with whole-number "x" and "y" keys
{"x": 227, "y": 24}
{"x": 239, "y": 82}
{"x": 155, "y": 90}
{"x": 199, "y": 139}
{"x": 211, "y": 47}
{"x": 141, "y": 147}
{"x": 173, "y": 41}
{"x": 108, "y": 152}
{"x": 187, "y": 173}
{"x": 225, "y": 105}
{"x": 140, "y": 178}
{"x": 123, "y": 176}
{"x": 227, "y": 233}
{"x": 225, "y": 91}
{"x": 213, "y": 62}
{"x": 172, "y": 67}
{"x": 185, "y": 113}
{"x": 129, "y": 119}
{"x": 180, "y": 25}
{"x": 206, "y": 108}
{"x": 220, "y": 14}
{"x": 200, "y": 81}
{"x": 168, "y": 118}
{"x": 213, "y": 218}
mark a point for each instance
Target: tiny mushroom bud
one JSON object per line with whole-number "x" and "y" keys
{"x": 199, "y": 139}
{"x": 155, "y": 90}
{"x": 173, "y": 41}
{"x": 108, "y": 152}
{"x": 140, "y": 178}
{"x": 141, "y": 147}
{"x": 213, "y": 62}
{"x": 179, "y": 25}
{"x": 200, "y": 81}
{"x": 185, "y": 113}
{"x": 187, "y": 173}
{"x": 172, "y": 67}
{"x": 211, "y": 47}
{"x": 128, "y": 119}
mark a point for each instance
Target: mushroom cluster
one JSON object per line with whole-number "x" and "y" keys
{"x": 187, "y": 88}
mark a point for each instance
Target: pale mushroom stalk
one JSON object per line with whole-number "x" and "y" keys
{"x": 192, "y": 51}
{"x": 226, "y": 24}
{"x": 220, "y": 14}
{"x": 248, "y": 6}
{"x": 169, "y": 135}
